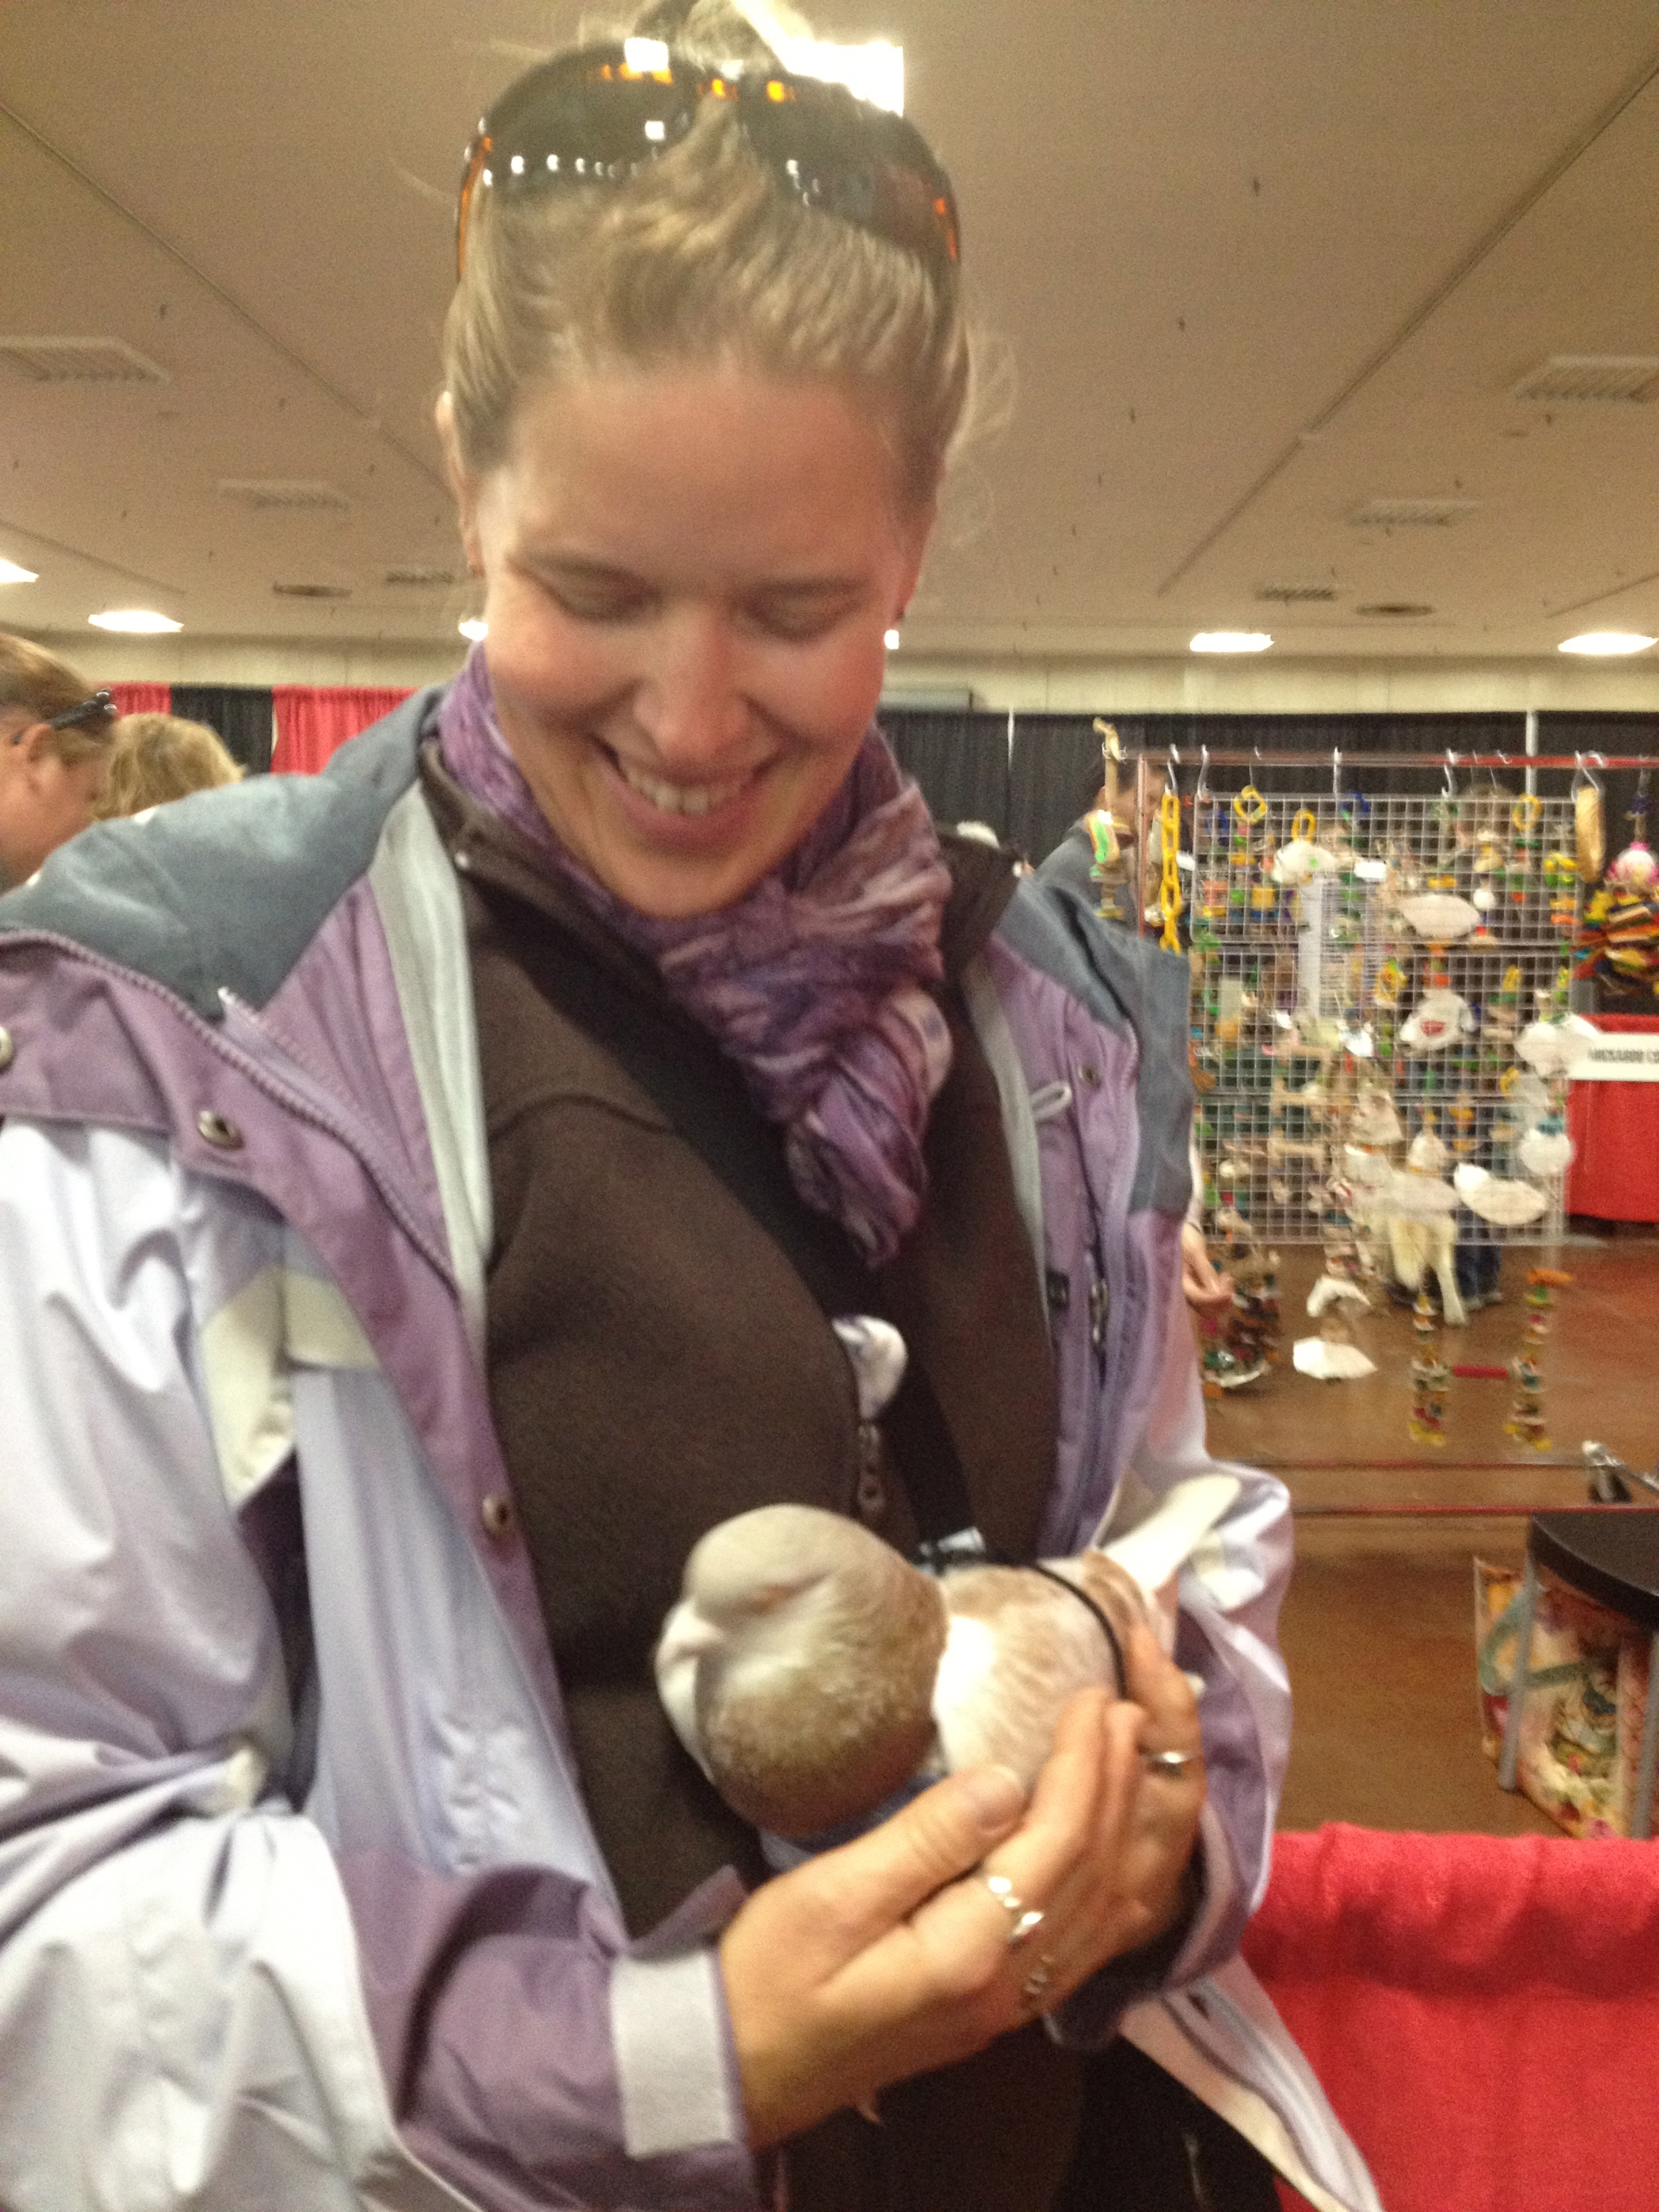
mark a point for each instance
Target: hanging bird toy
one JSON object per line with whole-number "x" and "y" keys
{"x": 1526, "y": 1420}
{"x": 1431, "y": 1375}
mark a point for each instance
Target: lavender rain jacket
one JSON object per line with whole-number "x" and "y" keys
{"x": 299, "y": 1904}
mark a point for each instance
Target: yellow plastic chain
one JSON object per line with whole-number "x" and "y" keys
{"x": 1305, "y": 826}
{"x": 1168, "y": 893}
{"x": 1526, "y": 810}
{"x": 1250, "y": 805}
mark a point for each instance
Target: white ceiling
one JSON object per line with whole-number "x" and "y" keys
{"x": 1255, "y": 262}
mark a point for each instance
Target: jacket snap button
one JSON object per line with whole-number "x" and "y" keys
{"x": 219, "y": 1131}
{"x": 496, "y": 1514}
{"x": 7, "y": 1048}
{"x": 1089, "y": 1076}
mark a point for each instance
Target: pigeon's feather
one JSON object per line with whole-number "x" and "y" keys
{"x": 812, "y": 1672}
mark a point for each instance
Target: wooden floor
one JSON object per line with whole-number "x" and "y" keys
{"x": 1378, "y": 1627}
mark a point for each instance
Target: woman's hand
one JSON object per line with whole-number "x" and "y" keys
{"x": 1205, "y": 1291}
{"x": 891, "y": 1955}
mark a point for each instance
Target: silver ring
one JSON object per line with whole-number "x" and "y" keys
{"x": 1035, "y": 1987}
{"x": 1168, "y": 1762}
{"x": 1025, "y": 1921}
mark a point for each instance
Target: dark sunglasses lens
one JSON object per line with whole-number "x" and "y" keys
{"x": 591, "y": 119}
{"x": 871, "y": 169}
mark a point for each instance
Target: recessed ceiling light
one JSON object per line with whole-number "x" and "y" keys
{"x": 1231, "y": 641}
{"x": 11, "y": 574}
{"x": 1606, "y": 643}
{"x": 890, "y": 640}
{"x": 140, "y": 621}
{"x": 475, "y": 628}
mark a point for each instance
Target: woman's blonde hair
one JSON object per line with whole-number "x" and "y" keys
{"x": 702, "y": 260}
{"x": 158, "y": 757}
{"x": 43, "y": 686}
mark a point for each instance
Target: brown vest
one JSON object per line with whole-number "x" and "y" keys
{"x": 656, "y": 1364}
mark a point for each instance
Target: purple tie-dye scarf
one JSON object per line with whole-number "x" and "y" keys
{"x": 814, "y": 982}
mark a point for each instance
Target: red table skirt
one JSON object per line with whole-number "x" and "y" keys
{"x": 1615, "y": 1126}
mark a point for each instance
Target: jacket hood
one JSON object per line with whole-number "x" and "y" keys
{"x": 223, "y": 891}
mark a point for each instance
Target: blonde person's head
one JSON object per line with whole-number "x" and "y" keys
{"x": 702, "y": 260}
{"x": 35, "y": 686}
{"x": 54, "y": 744}
{"x": 158, "y": 757}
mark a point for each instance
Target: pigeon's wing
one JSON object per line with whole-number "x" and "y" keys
{"x": 1016, "y": 1649}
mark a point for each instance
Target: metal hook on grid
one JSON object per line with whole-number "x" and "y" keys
{"x": 1336, "y": 774}
{"x": 1451, "y": 780}
{"x": 1582, "y": 774}
{"x": 1203, "y": 778}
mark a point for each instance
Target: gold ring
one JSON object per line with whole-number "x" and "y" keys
{"x": 1025, "y": 1920}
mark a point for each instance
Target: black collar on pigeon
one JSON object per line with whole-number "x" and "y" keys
{"x": 968, "y": 1548}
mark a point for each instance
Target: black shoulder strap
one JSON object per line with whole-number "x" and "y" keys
{"x": 702, "y": 1093}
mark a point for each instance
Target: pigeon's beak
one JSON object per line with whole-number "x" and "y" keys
{"x": 687, "y": 1635}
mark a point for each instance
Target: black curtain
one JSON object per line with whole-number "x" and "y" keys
{"x": 1317, "y": 734}
{"x": 960, "y": 760}
{"x": 1056, "y": 772}
{"x": 240, "y": 713}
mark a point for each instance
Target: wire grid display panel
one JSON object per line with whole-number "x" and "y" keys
{"x": 1274, "y": 1109}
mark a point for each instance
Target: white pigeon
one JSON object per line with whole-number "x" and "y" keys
{"x": 812, "y": 1672}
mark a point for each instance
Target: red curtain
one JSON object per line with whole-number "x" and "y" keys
{"x": 312, "y": 721}
{"x": 141, "y": 698}
{"x": 1615, "y": 1126}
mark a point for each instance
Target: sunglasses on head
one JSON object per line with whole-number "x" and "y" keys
{"x": 594, "y": 117}
{"x": 101, "y": 704}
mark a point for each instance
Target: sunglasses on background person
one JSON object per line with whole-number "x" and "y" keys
{"x": 100, "y": 707}
{"x": 593, "y": 117}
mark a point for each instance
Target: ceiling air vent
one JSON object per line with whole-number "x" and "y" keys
{"x": 77, "y": 360}
{"x": 1395, "y": 610}
{"x": 1298, "y": 595}
{"x": 1613, "y": 376}
{"x": 303, "y": 493}
{"x": 424, "y": 579}
{"x": 311, "y": 591}
{"x": 1412, "y": 514}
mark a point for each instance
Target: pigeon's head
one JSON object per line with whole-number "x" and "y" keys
{"x": 755, "y": 1565}
{"x": 798, "y": 1667}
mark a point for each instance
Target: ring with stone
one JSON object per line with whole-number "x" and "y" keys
{"x": 1168, "y": 1762}
{"x": 1035, "y": 1987}
{"x": 1025, "y": 1921}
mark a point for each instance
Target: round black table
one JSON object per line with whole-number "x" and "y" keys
{"x": 1610, "y": 1554}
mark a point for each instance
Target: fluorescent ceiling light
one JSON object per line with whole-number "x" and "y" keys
{"x": 11, "y": 574}
{"x": 139, "y": 622}
{"x": 645, "y": 55}
{"x": 874, "y": 72}
{"x": 1606, "y": 643}
{"x": 1231, "y": 641}
{"x": 475, "y": 627}
{"x": 890, "y": 640}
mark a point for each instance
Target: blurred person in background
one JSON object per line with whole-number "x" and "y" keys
{"x": 55, "y": 737}
{"x": 154, "y": 758}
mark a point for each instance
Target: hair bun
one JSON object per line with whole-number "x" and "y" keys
{"x": 718, "y": 34}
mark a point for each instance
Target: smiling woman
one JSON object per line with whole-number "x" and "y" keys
{"x": 434, "y": 1193}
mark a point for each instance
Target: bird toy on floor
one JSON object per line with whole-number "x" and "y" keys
{"x": 815, "y": 1674}
{"x": 1430, "y": 1376}
{"x": 1526, "y": 1420}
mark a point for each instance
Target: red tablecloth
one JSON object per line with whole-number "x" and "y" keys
{"x": 1615, "y": 1126}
